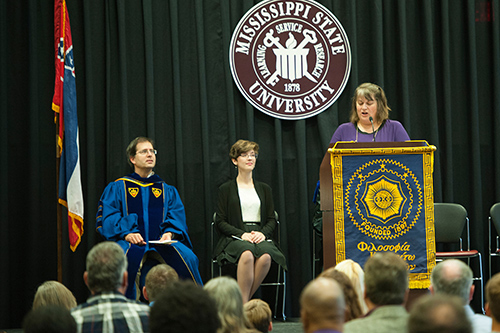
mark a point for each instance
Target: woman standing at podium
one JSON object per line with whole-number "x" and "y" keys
{"x": 246, "y": 221}
{"x": 369, "y": 120}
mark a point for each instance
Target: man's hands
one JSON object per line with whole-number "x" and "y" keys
{"x": 135, "y": 238}
{"x": 253, "y": 237}
{"x": 166, "y": 237}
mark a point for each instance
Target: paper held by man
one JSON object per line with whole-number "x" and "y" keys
{"x": 165, "y": 242}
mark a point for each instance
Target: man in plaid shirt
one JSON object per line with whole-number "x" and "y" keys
{"x": 108, "y": 310}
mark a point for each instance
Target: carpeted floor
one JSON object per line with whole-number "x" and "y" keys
{"x": 291, "y": 325}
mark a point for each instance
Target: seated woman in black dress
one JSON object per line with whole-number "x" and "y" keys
{"x": 246, "y": 222}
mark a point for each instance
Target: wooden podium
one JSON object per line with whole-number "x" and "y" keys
{"x": 333, "y": 199}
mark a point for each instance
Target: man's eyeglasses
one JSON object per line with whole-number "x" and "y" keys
{"x": 145, "y": 151}
{"x": 249, "y": 155}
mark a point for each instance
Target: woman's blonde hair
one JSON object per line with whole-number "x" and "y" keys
{"x": 54, "y": 293}
{"x": 353, "y": 308}
{"x": 357, "y": 276}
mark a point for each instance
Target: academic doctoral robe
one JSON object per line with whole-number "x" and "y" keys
{"x": 148, "y": 206}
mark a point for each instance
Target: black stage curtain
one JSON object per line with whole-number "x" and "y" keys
{"x": 160, "y": 69}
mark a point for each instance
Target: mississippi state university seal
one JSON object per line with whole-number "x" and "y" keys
{"x": 290, "y": 59}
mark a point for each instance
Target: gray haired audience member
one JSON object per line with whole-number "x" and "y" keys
{"x": 54, "y": 293}
{"x": 107, "y": 309}
{"x": 157, "y": 280}
{"x": 259, "y": 314}
{"x": 322, "y": 306}
{"x": 386, "y": 287}
{"x": 438, "y": 314}
{"x": 184, "y": 307}
{"x": 453, "y": 277}
{"x": 492, "y": 306}
{"x": 227, "y": 295}
{"x": 49, "y": 319}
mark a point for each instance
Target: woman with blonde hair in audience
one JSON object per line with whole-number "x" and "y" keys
{"x": 54, "y": 293}
{"x": 352, "y": 307}
{"x": 357, "y": 276}
{"x": 227, "y": 295}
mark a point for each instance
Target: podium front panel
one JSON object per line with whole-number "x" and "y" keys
{"x": 383, "y": 201}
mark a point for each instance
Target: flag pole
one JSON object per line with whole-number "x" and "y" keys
{"x": 59, "y": 212}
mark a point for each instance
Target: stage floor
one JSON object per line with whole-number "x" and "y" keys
{"x": 291, "y": 325}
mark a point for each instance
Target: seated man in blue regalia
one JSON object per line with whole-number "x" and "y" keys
{"x": 140, "y": 208}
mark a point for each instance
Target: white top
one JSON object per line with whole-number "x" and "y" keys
{"x": 250, "y": 204}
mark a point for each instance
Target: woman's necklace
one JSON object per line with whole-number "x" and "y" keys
{"x": 373, "y": 133}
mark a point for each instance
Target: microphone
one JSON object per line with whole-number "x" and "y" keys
{"x": 373, "y": 129}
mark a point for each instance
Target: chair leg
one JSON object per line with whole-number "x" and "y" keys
{"x": 277, "y": 291}
{"x": 481, "y": 282}
{"x": 280, "y": 283}
{"x": 314, "y": 254}
{"x": 489, "y": 245}
{"x": 284, "y": 296}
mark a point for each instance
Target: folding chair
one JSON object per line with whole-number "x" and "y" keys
{"x": 450, "y": 219}
{"x": 494, "y": 219}
{"x": 280, "y": 274}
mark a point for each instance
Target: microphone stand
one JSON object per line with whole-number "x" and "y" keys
{"x": 373, "y": 129}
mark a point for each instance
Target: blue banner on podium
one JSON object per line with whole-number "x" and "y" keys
{"x": 383, "y": 202}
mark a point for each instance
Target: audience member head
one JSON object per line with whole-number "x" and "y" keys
{"x": 371, "y": 92}
{"x": 386, "y": 279}
{"x": 184, "y": 307}
{"x": 157, "y": 280}
{"x": 227, "y": 295}
{"x": 322, "y": 305}
{"x": 242, "y": 147}
{"x": 106, "y": 268}
{"x": 438, "y": 314}
{"x": 54, "y": 293}
{"x": 259, "y": 315}
{"x": 493, "y": 298}
{"x": 132, "y": 147}
{"x": 453, "y": 277}
{"x": 49, "y": 319}
{"x": 355, "y": 273}
{"x": 352, "y": 306}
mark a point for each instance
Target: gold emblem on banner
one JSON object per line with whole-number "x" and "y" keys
{"x": 383, "y": 199}
{"x": 156, "y": 192}
{"x": 133, "y": 191}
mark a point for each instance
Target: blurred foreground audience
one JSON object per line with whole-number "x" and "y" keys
{"x": 158, "y": 279}
{"x": 322, "y": 306}
{"x": 357, "y": 276}
{"x": 54, "y": 293}
{"x": 184, "y": 307}
{"x": 454, "y": 278}
{"x": 492, "y": 305}
{"x": 227, "y": 295}
{"x": 438, "y": 314}
{"x": 107, "y": 309}
{"x": 49, "y": 319}
{"x": 352, "y": 306}
{"x": 259, "y": 314}
{"x": 386, "y": 289}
